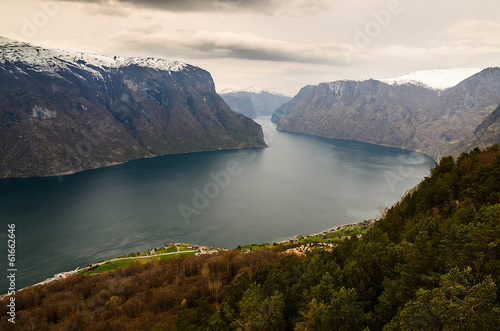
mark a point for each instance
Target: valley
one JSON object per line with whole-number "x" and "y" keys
{"x": 101, "y": 156}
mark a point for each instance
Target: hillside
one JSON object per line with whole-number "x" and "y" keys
{"x": 404, "y": 115}
{"x": 63, "y": 112}
{"x": 487, "y": 133}
{"x": 369, "y": 111}
{"x": 432, "y": 262}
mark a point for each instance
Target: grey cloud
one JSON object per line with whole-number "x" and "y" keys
{"x": 271, "y": 7}
{"x": 188, "y": 5}
{"x": 208, "y": 45}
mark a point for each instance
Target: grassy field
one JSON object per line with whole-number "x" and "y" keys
{"x": 116, "y": 264}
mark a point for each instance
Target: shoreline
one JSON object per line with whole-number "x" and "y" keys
{"x": 359, "y": 141}
{"x": 213, "y": 250}
{"x": 117, "y": 163}
{"x": 363, "y": 223}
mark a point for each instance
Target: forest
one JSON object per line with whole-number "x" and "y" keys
{"x": 431, "y": 263}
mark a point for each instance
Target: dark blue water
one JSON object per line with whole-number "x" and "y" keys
{"x": 300, "y": 184}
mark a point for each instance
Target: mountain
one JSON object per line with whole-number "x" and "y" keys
{"x": 287, "y": 107}
{"x": 457, "y": 113}
{"x": 438, "y": 79}
{"x": 369, "y": 111}
{"x": 405, "y": 115}
{"x": 487, "y": 133}
{"x": 64, "y": 112}
{"x": 253, "y": 102}
{"x": 241, "y": 104}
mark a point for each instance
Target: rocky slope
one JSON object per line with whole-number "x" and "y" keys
{"x": 487, "y": 133}
{"x": 287, "y": 107}
{"x": 411, "y": 116}
{"x": 63, "y": 112}
{"x": 254, "y": 102}
{"x": 457, "y": 113}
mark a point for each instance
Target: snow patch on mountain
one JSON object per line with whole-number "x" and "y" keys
{"x": 51, "y": 61}
{"x": 439, "y": 79}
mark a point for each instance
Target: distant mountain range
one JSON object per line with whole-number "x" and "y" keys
{"x": 253, "y": 102}
{"x": 408, "y": 113}
{"x": 63, "y": 112}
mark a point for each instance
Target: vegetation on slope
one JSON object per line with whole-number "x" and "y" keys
{"x": 432, "y": 263}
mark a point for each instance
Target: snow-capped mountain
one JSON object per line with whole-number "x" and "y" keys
{"x": 439, "y": 79}
{"x": 51, "y": 61}
{"x": 62, "y": 112}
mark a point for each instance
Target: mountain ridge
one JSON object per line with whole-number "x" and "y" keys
{"x": 37, "y": 56}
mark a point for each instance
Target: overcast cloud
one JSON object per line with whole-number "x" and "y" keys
{"x": 213, "y": 45}
{"x": 276, "y": 44}
{"x": 270, "y": 7}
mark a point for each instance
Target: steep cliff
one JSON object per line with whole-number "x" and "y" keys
{"x": 287, "y": 107}
{"x": 457, "y": 113}
{"x": 369, "y": 111}
{"x": 411, "y": 116}
{"x": 487, "y": 133}
{"x": 64, "y": 112}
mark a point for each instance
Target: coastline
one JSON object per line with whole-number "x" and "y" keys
{"x": 359, "y": 141}
{"x": 196, "y": 249}
{"x": 116, "y": 163}
{"x": 363, "y": 224}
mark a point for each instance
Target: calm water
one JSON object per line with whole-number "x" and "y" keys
{"x": 300, "y": 184}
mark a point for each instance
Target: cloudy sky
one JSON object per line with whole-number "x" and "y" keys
{"x": 277, "y": 44}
